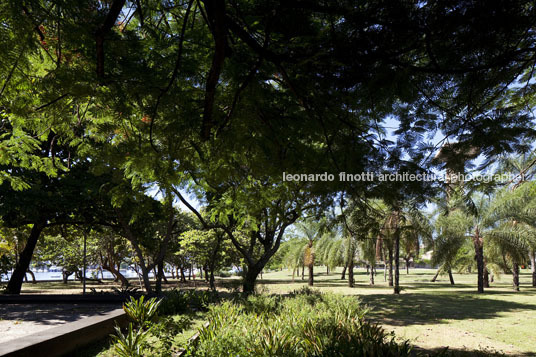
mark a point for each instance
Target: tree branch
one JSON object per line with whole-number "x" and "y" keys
{"x": 101, "y": 32}
{"x": 216, "y": 17}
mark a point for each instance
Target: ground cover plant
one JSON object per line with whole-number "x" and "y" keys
{"x": 303, "y": 323}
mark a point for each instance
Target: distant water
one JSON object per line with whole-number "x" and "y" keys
{"x": 90, "y": 273}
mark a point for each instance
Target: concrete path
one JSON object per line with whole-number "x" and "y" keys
{"x": 19, "y": 320}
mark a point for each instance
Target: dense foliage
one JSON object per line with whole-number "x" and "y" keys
{"x": 306, "y": 323}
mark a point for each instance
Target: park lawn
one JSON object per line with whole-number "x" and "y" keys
{"x": 436, "y": 315}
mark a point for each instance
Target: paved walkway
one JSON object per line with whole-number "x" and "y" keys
{"x": 19, "y": 320}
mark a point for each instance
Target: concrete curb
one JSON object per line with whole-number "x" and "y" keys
{"x": 62, "y": 299}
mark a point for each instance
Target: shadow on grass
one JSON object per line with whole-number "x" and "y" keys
{"x": 454, "y": 352}
{"x": 416, "y": 308}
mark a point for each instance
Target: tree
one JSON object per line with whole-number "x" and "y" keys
{"x": 514, "y": 231}
{"x": 294, "y": 253}
{"x": 175, "y": 92}
{"x": 312, "y": 231}
{"x": 62, "y": 246}
{"x": 209, "y": 249}
{"x": 70, "y": 198}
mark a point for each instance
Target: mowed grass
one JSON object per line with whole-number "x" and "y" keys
{"x": 437, "y": 315}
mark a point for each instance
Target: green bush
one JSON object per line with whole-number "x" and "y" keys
{"x": 132, "y": 343}
{"x": 306, "y": 323}
{"x": 140, "y": 311}
{"x": 147, "y": 334}
{"x": 179, "y": 301}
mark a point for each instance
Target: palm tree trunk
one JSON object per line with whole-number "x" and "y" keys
{"x": 479, "y": 256}
{"x": 302, "y": 272}
{"x": 486, "y": 276}
{"x": 391, "y": 267}
{"x": 372, "y": 275}
{"x": 533, "y": 267}
{"x": 311, "y": 278}
{"x": 436, "y": 275}
{"x": 451, "y": 277}
{"x": 396, "y": 289}
{"x": 515, "y": 274}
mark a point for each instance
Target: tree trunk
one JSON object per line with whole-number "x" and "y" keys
{"x": 183, "y": 278}
{"x": 343, "y": 275}
{"x": 211, "y": 280}
{"x": 351, "y": 280}
{"x": 436, "y": 275}
{"x": 145, "y": 277}
{"x": 396, "y": 289}
{"x": 384, "y": 271}
{"x": 372, "y": 275}
{"x": 116, "y": 273}
{"x": 479, "y": 256}
{"x": 486, "y": 276}
{"x": 533, "y": 267}
{"x": 164, "y": 277}
{"x": 205, "y": 268}
{"x": 212, "y": 264}
{"x": 303, "y": 272}
{"x": 15, "y": 282}
{"x": 65, "y": 275}
{"x": 311, "y": 278}
{"x": 248, "y": 286}
{"x": 293, "y": 273}
{"x": 391, "y": 267}
{"x": 451, "y": 277}
{"x": 407, "y": 266}
{"x": 327, "y": 270}
{"x": 32, "y": 275}
{"x": 515, "y": 274}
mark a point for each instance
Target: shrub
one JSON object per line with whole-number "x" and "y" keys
{"x": 130, "y": 344}
{"x": 306, "y": 323}
{"x": 140, "y": 311}
{"x": 178, "y": 301}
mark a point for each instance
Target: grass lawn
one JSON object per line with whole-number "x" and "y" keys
{"x": 436, "y": 315}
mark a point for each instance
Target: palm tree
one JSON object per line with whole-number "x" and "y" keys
{"x": 312, "y": 231}
{"x": 294, "y": 252}
{"x": 329, "y": 250}
{"x": 515, "y": 233}
{"x": 415, "y": 228}
{"x": 367, "y": 248}
{"x": 360, "y": 223}
{"x": 451, "y": 244}
{"x": 523, "y": 167}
